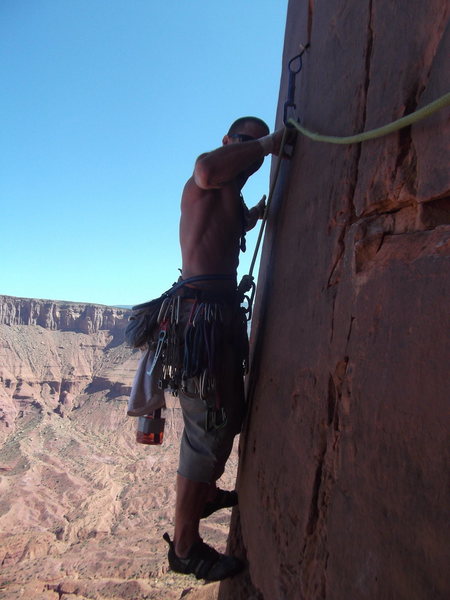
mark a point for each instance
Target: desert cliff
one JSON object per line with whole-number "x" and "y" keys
{"x": 57, "y": 353}
{"x": 62, "y": 316}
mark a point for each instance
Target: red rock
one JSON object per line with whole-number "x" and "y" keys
{"x": 62, "y": 316}
{"x": 344, "y": 461}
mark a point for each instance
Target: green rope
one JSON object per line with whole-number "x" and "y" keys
{"x": 426, "y": 111}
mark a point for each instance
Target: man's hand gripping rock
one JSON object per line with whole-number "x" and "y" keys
{"x": 271, "y": 143}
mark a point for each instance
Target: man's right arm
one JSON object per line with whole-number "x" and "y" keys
{"x": 217, "y": 168}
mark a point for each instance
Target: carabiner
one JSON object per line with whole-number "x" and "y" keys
{"x": 290, "y": 101}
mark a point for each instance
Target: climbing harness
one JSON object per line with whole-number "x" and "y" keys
{"x": 144, "y": 317}
{"x": 157, "y": 324}
{"x": 187, "y": 346}
{"x": 293, "y": 72}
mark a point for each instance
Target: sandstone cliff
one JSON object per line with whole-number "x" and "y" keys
{"x": 62, "y": 316}
{"x": 52, "y": 353}
{"x": 343, "y": 477}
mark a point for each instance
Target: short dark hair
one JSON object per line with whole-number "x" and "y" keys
{"x": 239, "y": 122}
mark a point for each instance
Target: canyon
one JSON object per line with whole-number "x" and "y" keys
{"x": 83, "y": 506}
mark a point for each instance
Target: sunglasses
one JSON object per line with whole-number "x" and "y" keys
{"x": 241, "y": 137}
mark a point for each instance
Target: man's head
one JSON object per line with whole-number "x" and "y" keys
{"x": 247, "y": 127}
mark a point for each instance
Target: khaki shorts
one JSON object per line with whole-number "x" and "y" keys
{"x": 203, "y": 452}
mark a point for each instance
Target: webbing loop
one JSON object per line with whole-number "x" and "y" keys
{"x": 290, "y": 100}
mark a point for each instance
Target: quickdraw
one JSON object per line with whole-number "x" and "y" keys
{"x": 290, "y": 100}
{"x": 247, "y": 284}
{"x": 202, "y": 337}
{"x": 167, "y": 348}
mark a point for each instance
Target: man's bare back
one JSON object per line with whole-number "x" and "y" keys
{"x": 210, "y": 228}
{"x": 212, "y": 212}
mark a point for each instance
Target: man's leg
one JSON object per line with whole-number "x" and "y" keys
{"x": 187, "y": 552}
{"x": 191, "y": 498}
{"x": 190, "y": 502}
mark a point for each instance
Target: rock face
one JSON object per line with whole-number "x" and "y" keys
{"x": 343, "y": 477}
{"x": 83, "y": 507}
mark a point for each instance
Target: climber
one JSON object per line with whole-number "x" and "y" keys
{"x": 212, "y": 229}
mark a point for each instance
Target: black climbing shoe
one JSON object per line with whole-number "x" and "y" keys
{"x": 204, "y": 562}
{"x": 224, "y": 499}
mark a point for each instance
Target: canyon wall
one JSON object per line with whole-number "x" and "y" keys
{"x": 54, "y": 354}
{"x": 343, "y": 474}
{"x": 63, "y": 316}
{"x": 82, "y": 506}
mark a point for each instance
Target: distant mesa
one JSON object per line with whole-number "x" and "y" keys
{"x": 61, "y": 315}
{"x": 56, "y": 354}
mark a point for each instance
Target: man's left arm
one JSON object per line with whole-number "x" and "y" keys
{"x": 253, "y": 214}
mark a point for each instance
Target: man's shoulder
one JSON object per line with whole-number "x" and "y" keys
{"x": 201, "y": 156}
{"x": 193, "y": 192}
{"x": 191, "y": 188}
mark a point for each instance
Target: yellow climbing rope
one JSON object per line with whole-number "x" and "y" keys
{"x": 417, "y": 115}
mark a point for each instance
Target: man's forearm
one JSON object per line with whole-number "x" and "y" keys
{"x": 224, "y": 164}
{"x": 252, "y": 217}
{"x": 267, "y": 144}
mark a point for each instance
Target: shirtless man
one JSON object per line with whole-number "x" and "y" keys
{"x": 213, "y": 220}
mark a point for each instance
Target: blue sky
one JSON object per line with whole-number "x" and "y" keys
{"x": 104, "y": 106}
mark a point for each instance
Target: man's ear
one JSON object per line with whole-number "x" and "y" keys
{"x": 225, "y": 140}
